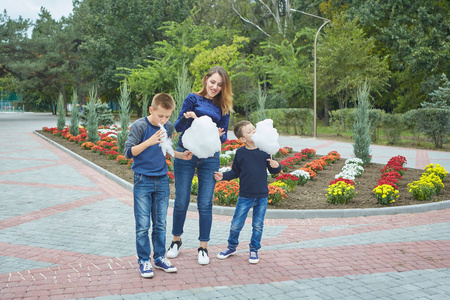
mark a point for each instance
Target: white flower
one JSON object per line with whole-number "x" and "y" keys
{"x": 225, "y": 156}
{"x": 224, "y": 169}
{"x": 354, "y": 160}
{"x": 354, "y": 169}
{"x": 301, "y": 174}
{"x": 230, "y": 152}
{"x": 345, "y": 175}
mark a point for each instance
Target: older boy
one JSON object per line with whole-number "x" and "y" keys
{"x": 151, "y": 184}
{"x": 250, "y": 164}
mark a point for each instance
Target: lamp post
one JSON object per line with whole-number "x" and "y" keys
{"x": 326, "y": 21}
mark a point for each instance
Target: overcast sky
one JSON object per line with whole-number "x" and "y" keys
{"x": 29, "y": 9}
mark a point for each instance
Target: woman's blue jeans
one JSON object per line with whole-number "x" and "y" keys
{"x": 151, "y": 201}
{"x": 184, "y": 171}
{"x": 240, "y": 214}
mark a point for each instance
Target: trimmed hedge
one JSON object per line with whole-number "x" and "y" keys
{"x": 300, "y": 119}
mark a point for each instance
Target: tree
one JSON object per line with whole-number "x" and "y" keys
{"x": 40, "y": 65}
{"x": 61, "y": 123}
{"x": 92, "y": 119}
{"x": 440, "y": 98}
{"x": 345, "y": 59}
{"x": 413, "y": 35}
{"x": 120, "y": 34}
{"x": 75, "y": 115}
{"x": 124, "y": 104}
{"x": 182, "y": 89}
{"x": 289, "y": 68}
{"x": 361, "y": 125}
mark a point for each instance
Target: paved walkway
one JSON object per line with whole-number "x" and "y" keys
{"x": 67, "y": 232}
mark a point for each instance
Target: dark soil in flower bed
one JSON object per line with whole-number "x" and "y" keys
{"x": 309, "y": 196}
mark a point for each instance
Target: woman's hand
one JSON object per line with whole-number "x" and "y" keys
{"x": 190, "y": 114}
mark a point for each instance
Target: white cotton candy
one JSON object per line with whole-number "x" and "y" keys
{"x": 202, "y": 138}
{"x": 166, "y": 145}
{"x": 266, "y": 137}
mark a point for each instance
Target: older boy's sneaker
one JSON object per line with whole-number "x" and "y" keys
{"x": 253, "y": 257}
{"x": 203, "y": 258}
{"x": 226, "y": 253}
{"x": 165, "y": 265}
{"x": 174, "y": 249}
{"x": 146, "y": 270}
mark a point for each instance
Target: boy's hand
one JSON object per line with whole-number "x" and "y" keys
{"x": 221, "y": 131}
{"x": 190, "y": 114}
{"x": 218, "y": 176}
{"x": 155, "y": 138}
{"x": 186, "y": 155}
{"x": 273, "y": 163}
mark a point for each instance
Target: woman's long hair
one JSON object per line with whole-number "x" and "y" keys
{"x": 224, "y": 99}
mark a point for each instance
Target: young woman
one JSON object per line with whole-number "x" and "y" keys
{"x": 216, "y": 101}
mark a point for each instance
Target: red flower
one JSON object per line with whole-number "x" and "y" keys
{"x": 347, "y": 181}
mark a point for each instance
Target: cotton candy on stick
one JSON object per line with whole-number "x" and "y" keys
{"x": 202, "y": 138}
{"x": 266, "y": 137}
{"x": 166, "y": 145}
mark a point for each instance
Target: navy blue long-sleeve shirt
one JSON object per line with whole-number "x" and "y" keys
{"x": 201, "y": 106}
{"x": 250, "y": 166}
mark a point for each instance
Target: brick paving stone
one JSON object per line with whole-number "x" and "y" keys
{"x": 75, "y": 239}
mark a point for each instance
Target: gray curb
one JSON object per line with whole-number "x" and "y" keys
{"x": 279, "y": 213}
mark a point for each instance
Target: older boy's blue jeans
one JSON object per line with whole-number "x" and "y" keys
{"x": 240, "y": 214}
{"x": 184, "y": 172}
{"x": 151, "y": 201}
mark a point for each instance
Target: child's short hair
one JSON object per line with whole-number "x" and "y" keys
{"x": 164, "y": 100}
{"x": 238, "y": 128}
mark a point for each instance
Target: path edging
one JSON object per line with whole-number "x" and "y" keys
{"x": 277, "y": 213}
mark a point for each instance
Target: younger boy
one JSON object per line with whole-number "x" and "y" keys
{"x": 250, "y": 165}
{"x": 151, "y": 184}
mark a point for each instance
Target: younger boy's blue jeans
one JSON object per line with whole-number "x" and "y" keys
{"x": 151, "y": 201}
{"x": 240, "y": 214}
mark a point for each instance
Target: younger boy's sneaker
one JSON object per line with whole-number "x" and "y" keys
{"x": 203, "y": 257}
{"x": 253, "y": 257}
{"x": 146, "y": 270}
{"x": 226, "y": 253}
{"x": 174, "y": 249}
{"x": 165, "y": 265}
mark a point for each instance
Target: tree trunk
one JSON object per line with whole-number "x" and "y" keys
{"x": 326, "y": 115}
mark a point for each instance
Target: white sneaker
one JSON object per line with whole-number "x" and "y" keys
{"x": 203, "y": 258}
{"x": 254, "y": 259}
{"x": 174, "y": 249}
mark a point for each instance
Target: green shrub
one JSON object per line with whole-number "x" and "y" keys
{"x": 410, "y": 121}
{"x": 124, "y": 103}
{"x": 435, "y": 124}
{"x": 300, "y": 119}
{"x": 361, "y": 126}
{"x": 61, "y": 123}
{"x": 75, "y": 115}
{"x": 101, "y": 110}
{"x": 92, "y": 120}
{"x": 338, "y": 119}
{"x": 393, "y": 125}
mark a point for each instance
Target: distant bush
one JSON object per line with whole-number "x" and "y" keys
{"x": 300, "y": 119}
{"x": 435, "y": 124}
{"x": 102, "y": 111}
{"x": 393, "y": 125}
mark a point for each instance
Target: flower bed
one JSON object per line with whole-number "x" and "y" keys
{"x": 429, "y": 184}
{"x": 342, "y": 189}
{"x": 310, "y": 196}
{"x": 386, "y": 191}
